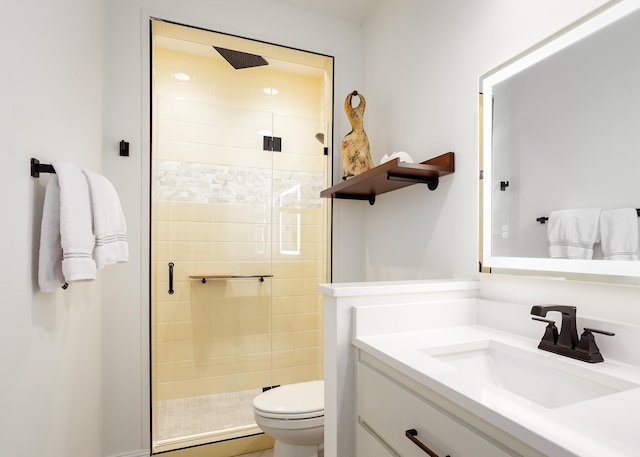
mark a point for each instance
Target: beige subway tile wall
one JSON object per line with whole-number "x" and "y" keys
{"x": 222, "y": 205}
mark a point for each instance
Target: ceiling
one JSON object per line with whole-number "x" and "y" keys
{"x": 184, "y": 39}
{"x": 201, "y": 42}
{"x": 349, "y": 10}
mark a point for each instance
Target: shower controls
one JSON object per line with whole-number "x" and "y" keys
{"x": 272, "y": 143}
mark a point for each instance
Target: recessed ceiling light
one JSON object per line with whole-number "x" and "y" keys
{"x": 270, "y": 91}
{"x": 181, "y": 76}
{"x": 265, "y": 133}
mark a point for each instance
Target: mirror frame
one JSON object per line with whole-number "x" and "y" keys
{"x": 592, "y": 23}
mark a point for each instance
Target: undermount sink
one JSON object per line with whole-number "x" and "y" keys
{"x": 541, "y": 378}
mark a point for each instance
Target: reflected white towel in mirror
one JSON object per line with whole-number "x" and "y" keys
{"x": 573, "y": 232}
{"x": 619, "y": 233}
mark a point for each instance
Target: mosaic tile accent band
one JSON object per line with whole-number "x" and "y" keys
{"x": 209, "y": 183}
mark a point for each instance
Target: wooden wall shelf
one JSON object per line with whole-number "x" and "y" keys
{"x": 392, "y": 175}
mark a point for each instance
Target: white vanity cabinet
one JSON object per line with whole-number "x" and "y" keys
{"x": 388, "y": 404}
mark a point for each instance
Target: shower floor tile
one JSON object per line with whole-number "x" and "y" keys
{"x": 183, "y": 417}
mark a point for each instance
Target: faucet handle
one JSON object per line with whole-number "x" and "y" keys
{"x": 551, "y": 331}
{"x": 602, "y": 332}
{"x": 587, "y": 344}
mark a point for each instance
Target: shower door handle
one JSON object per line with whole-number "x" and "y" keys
{"x": 171, "y": 278}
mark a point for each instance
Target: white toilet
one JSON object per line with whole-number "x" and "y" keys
{"x": 294, "y": 416}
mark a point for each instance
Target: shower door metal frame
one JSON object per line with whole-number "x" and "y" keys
{"x": 224, "y": 446}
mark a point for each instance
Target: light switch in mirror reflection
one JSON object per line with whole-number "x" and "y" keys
{"x": 561, "y": 131}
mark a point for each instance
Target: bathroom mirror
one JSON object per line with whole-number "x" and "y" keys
{"x": 561, "y": 130}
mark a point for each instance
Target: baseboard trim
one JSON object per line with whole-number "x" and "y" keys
{"x": 142, "y": 453}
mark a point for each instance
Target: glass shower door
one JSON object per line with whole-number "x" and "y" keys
{"x": 212, "y": 220}
{"x": 239, "y": 238}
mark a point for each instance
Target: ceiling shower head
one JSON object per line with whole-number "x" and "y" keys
{"x": 239, "y": 59}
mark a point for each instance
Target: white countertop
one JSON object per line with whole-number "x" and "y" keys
{"x": 349, "y": 289}
{"x": 606, "y": 426}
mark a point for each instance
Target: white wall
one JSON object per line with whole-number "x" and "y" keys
{"x": 422, "y": 63}
{"x": 125, "y": 320}
{"x": 51, "y": 109}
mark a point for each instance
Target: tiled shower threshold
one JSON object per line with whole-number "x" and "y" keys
{"x": 199, "y": 420}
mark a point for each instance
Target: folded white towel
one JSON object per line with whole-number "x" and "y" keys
{"x": 573, "y": 232}
{"x": 403, "y": 156}
{"x": 619, "y": 233}
{"x": 76, "y": 236}
{"x": 50, "y": 275}
{"x": 109, "y": 225}
{"x": 385, "y": 158}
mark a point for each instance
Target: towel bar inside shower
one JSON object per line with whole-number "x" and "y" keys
{"x": 544, "y": 219}
{"x": 204, "y": 278}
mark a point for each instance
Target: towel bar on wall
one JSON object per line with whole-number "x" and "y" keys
{"x": 544, "y": 219}
{"x": 37, "y": 168}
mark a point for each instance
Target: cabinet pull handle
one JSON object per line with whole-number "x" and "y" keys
{"x": 171, "y": 278}
{"x": 412, "y": 434}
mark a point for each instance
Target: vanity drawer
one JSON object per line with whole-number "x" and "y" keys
{"x": 369, "y": 445}
{"x": 390, "y": 409}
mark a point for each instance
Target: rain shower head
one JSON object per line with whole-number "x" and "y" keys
{"x": 240, "y": 60}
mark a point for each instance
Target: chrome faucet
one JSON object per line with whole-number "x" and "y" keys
{"x": 566, "y": 341}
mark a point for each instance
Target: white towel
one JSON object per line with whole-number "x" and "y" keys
{"x": 403, "y": 156}
{"x": 573, "y": 232}
{"x": 66, "y": 241}
{"x": 619, "y": 233}
{"x": 50, "y": 275}
{"x": 109, "y": 225}
{"x": 76, "y": 236}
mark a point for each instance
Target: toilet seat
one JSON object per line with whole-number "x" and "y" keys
{"x": 303, "y": 400}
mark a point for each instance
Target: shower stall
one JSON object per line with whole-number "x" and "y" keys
{"x": 240, "y": 237}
